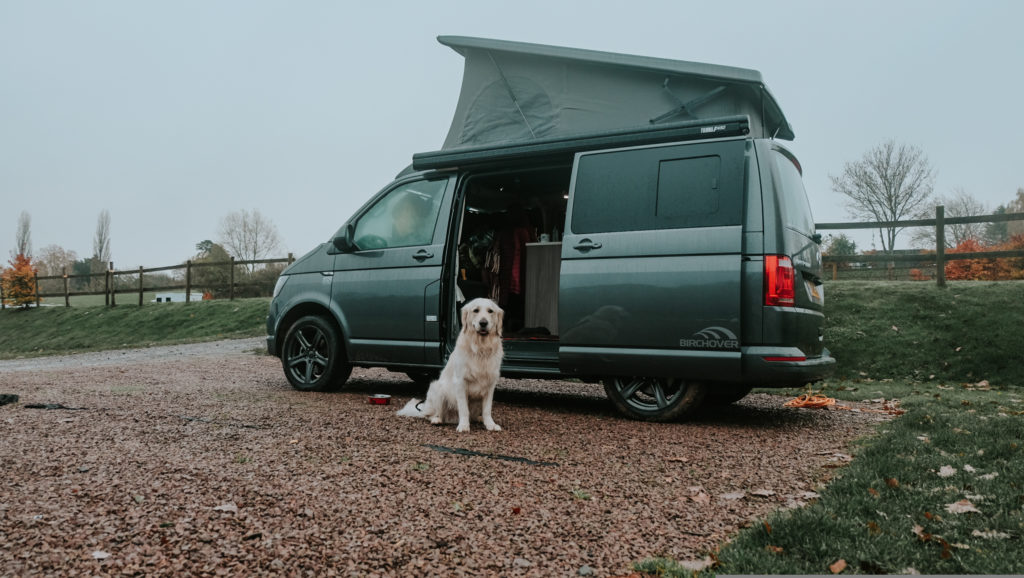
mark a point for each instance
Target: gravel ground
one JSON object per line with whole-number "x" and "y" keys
{"x": 201, "y": 459}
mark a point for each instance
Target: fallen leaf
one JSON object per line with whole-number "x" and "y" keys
{"x": 762, "y": 493}
{"x": 837, "y": 566}
{"x": 990, "y": 476}
{"x": 896, "y": 329}
{"x": 991, "y": 535}
{"x": 962, "y": 507}
{"x": 808, "y": 495}
{"x": 873, "y": 528}
{"x": 228, "y": 507}
{"x": 733, "y": 496}
{"x": 911, "y": 571}
{"x": 873, "y": 492}
{"x": 774, "y": 549}
{"x": 516, "y": 510}
{"x": 892, "y": 482}
{"x": 767, "y": 528}
{"x": 968, "y": 468}
{"x": 701, "y": 498}
{"x": 918, "y": 531}
{"x": 947, "y": 471}
{"x": 675, "y": 459}
{"x": 100, "y": 555}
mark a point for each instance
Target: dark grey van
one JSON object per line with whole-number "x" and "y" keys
{"x": 637, "y": 218}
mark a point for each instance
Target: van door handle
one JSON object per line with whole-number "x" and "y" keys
{"x": 586, "y": 245}
{"x": 423, "y": 255}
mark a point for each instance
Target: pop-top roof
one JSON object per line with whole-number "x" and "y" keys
{"x": 515, "y": 92}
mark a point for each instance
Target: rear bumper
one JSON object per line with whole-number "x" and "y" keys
{"x": 271, "y": 345}
{"x": 784, "y": 366}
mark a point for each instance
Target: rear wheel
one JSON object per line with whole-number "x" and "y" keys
{"x": 654, "y": 398}
{"x": 312, "y": 356}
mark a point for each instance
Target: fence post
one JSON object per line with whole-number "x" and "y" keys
{"x": 188, "y": 281}
{"x": 3, "y": 304}
{"x": 940, "y": 245}
{"x": 140, "y": 285}
{"x": 113, "y": 286}
{"x": 106, "y": 287}
{"x": 67, "y": 296}
{"x": 231, "y": 287}
{"x": 291, "y": 258}
{"x": 35, "y": 282}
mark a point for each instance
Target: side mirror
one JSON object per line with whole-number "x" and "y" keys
{"x": 344, "y": 243}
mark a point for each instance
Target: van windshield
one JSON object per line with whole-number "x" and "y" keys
{"x": 793, "y": 198}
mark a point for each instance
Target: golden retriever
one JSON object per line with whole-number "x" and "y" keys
{"x": 465, "y": 388}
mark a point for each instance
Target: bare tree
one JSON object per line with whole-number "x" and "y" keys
{"x": 959, "y": 204}
{"x": 23, "y": 236}
{"x": 55, "y": 260}
{"x": 101, "y": 241}
{"x": 891, "y": 182}
{"x": 1016, "y": 206}
{"x": 248, "y": 236}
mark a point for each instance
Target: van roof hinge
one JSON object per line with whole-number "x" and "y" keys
{"x": 685, "y": 109}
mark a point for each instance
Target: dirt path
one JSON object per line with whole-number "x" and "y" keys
{"x": 202, "y": 460}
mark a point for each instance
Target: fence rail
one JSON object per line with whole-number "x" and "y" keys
{"x": 111, "y": 288}
{"x": 938, "y": 258}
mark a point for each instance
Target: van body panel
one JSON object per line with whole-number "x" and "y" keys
{"x": 384, "y": 292}
{"x": 651, "y": 262}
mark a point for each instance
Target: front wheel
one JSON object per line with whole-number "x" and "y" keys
{"x": 312, "y": 356}
{"x": 654, "y": 398}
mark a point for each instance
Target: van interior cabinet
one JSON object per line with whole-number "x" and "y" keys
{"x": 543, "y": 264}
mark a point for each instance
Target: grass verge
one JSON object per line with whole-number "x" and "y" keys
{"x": 58, "y": 330}
{"x": 937, "y": 490}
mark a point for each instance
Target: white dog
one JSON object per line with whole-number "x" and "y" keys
{"x": 465, "y": 388}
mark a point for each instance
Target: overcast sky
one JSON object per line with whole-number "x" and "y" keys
{"x": 172, "y": 114}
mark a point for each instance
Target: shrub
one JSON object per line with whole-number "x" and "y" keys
{"x": 19, "y": 282}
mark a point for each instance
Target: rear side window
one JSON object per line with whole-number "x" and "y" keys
{"x": 796, "y": 210}
{"x": 674, "y": 187}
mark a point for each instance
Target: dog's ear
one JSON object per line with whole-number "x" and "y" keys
{"x": 501, "y": 319}
{"x": 465, "y": 316}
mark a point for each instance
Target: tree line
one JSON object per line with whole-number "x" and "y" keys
{"x": 245, "y": 235}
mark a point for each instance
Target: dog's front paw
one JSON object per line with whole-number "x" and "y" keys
{"x": 492, "y": 426}
{"x": 462, "y": 427}
{"x": 435, "y": 420}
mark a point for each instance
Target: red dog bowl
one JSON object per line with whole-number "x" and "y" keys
{"x": 380, "y": 399}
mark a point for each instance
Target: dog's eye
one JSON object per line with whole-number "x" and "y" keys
{"x": 490, "y": 310}
{"x": 477, "y": 310}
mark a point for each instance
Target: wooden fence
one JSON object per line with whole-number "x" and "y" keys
{"x": 112, "y": 287}
{"x": 937, "y": 258}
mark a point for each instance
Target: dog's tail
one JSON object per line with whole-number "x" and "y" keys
{"x": 412, "y": 409}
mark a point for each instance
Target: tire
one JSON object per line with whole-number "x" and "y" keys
{"x": 312, "y": 356}
{"x": 653, "y": 398}
{"x": 724, "y": 395}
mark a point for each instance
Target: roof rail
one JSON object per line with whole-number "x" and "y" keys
{"x": 721, "y": 127}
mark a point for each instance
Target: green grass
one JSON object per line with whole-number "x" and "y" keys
{"x": 56, "y": 330}
{"x": 953, "y": 362}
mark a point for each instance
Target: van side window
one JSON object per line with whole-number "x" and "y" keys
{"x": 793, "y": 198}
{"x": 404, "y": 217}
{"x": 676, "y": 187}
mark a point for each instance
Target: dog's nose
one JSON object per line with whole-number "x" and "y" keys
{"x": 483, "y": 323}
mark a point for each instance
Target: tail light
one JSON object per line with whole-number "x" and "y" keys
{"x": 779, "y": 281}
